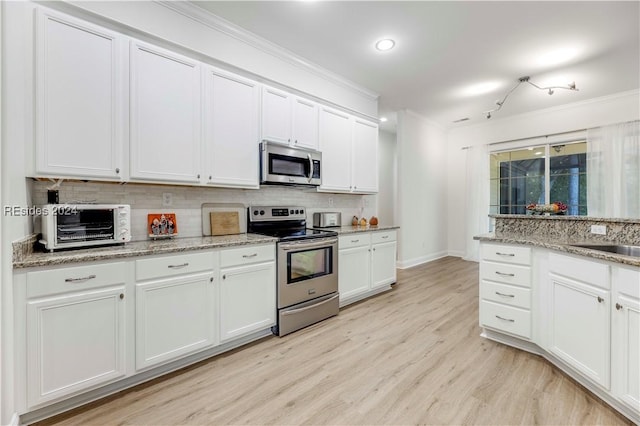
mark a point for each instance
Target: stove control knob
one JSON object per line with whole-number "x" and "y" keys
{"x": 291, "y": 211}
{"x": 301, "y": 211}
{"x": 297, "y": 211}
{"x": 261, "y": 212}
{"x": 255, "y": 212}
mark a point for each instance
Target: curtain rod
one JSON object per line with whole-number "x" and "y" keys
{"x": 550, "y": 134}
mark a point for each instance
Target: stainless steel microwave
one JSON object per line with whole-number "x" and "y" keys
{"x": 84, "y": 225}
{"x": 280, "y": 164}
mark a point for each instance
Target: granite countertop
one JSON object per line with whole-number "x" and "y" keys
{"x": 564, "y": 217}
{"x": 355, "y": 229}
{"x": 565, "y": 246}
{"x": 138, "y": 248}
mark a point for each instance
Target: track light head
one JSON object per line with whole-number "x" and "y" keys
{"x": 488, "y": 115}
{"x": 550, "y": 92}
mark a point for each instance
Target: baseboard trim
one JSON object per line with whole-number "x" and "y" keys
{"x": 456, "y": 253}
{"x": 359, "y": 297}
{"x": 15, "y": 420}
{"x": 404, "y": 264}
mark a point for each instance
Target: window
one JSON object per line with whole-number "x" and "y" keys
{"x": 539, "y": 174}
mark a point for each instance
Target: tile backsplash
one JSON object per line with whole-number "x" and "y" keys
{"x": 187, "y": 201}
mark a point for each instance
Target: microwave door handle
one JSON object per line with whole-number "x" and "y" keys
{"x": 310, "y": 167}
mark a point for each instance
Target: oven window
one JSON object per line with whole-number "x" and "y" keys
{"x": 288, "y": 166}
{"x": 307, "y": 264}
{"x": 85, "y": 225}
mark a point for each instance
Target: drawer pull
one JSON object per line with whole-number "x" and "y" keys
{"x": 355, "y": 241}
{"x": 505, "y": 254}
{"x": 178, "y": 266}
{"x": 385, "y": 236}
{"x": 618, "y": 306}
{"x": 75, "y": 280}
{"x": 505, "y": 319}
{"x": 505, "y": 295}
{"x": 600, "y": 299}
{"x": 502, "y": 274}
{"x": 247, "y": 256}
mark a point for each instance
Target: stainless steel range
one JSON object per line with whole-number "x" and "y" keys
{"x": 307, "y": 266}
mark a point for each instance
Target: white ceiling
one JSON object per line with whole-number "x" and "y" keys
{"x": 443, "y": 48}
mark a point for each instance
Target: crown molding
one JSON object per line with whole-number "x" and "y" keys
{"x": 217, "y": 23}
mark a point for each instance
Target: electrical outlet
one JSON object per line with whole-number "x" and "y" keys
{"x": 167, "y": 199}
{"x": 599, "y": 229}
{"x": 330, "y": 201}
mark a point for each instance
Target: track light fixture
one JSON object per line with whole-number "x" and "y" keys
{"x": 525, "y": 79}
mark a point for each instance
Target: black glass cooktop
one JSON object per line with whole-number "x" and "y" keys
{"x": 296, "y": 234}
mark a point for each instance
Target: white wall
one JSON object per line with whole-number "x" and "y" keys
{"x": 571, "y": 117}
{"x": 387, "y": 178}
{"x": 422, "y": 199}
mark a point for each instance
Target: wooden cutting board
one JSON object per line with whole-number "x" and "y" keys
{"x": 224, "y": 223}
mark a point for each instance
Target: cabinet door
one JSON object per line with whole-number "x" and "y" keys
{"x": 247, "y": 299}
{"x": 174, "y": 317}
{"x": 305, "y": 123}
{"x": 165, "y": 115}
{"x": 580, "y": 333}
{"x": 353, "y": 271}
{"x": 335, "y": 144}
{"x": 365, "y": 157}
{"x": 74, "y": 342}
{"x": 626, "y": 347}
{"x": 231, "y": 120}
{"x": 276, "y": 115}
{"x": 383, "y": 264}
{"x": 79, "y": 98}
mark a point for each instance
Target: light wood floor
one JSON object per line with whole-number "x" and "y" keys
{"x": 412, "y": 355}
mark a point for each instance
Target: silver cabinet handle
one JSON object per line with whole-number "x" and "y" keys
{"x": 505, "y": 319}
{"x": 117, "y": 170}
{"x": 121, "y": 296}
{"x": 502, "y": 274}
{"x": 246, "y": 256}
{"x": 505, "y": 254}
{"x": 619, "y": 306}
{"x": 600, "y": 299}
{"x": 355, "y": 241}
{"x": 505, "y": 295}
{"x": 178, "y": 266}
{"x": 75, "y": 280}
{"x": 385, "y": 236}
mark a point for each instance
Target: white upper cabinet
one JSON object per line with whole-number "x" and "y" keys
{"x": 335, "y": 144}
{"x": 231, "y": 130}
{"x": 289, "y": 119}
{"x": 79, "y": 105}
{"x": 305, "y": 123}
{"x": 349, "y": 153}
{"x": 365, "y": 156}
{"x": 165, "y": 115}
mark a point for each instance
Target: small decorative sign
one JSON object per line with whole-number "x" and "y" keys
{"x": 162, "y": 225}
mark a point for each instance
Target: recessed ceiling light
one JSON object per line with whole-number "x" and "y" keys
{"x": 385, "y": 44}
{"x": 383, "y": 119}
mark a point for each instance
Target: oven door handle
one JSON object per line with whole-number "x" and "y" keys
{"x": 305, "y": 245}
{"x": 310, "y": 168}
{"x": 306, "y": 308}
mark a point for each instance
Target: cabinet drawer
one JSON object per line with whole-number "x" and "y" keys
{"x": 354, "y": 240}
{"x": 55, "y": 281}
{"x": 505, "y": 273}
{"x": 247, "y": 254}
{"x": 507, "y": 253}
{"x": 506, "y": 318}
{"x": 507, "y": 294}
{"x": 169, "y": 266}
{"x": 383, "y": 236}
{"x": 588, "y": 271}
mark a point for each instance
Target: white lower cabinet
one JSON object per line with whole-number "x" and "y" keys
{"x": 175, "y": 306}
{"x": 174, "y": 317}
{"x": 367, "y": 264}
{"x": 580, "y": 330}
{"x": 75, "y": 330}
{"x": 587, "y": 311}
{"x": 247, "y": 290}
{"x": 626, "y": 336}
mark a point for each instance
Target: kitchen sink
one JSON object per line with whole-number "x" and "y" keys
{"x": 613, "y": 248}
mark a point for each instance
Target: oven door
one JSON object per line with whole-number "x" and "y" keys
{"x": 307, "y": 269}
{"x": 292, "y": 166}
